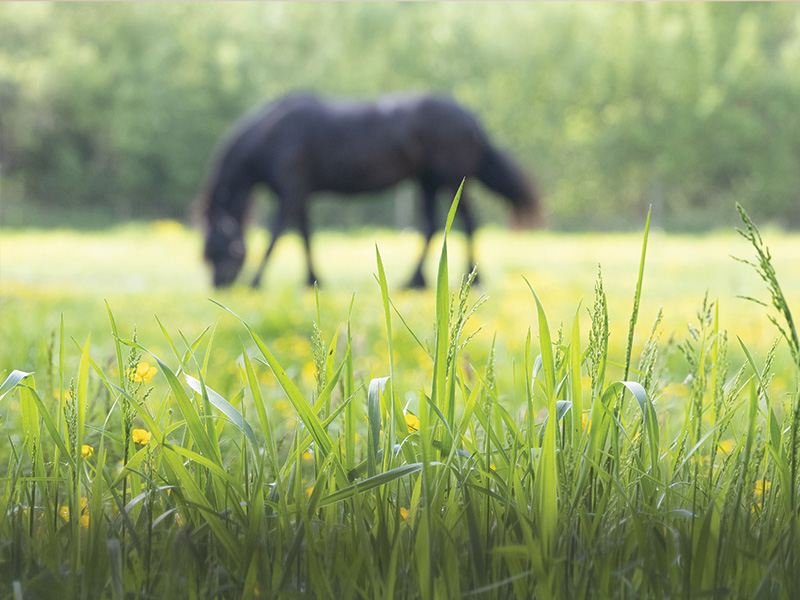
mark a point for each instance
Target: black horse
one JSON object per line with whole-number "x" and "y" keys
{"x": 300, "y": 145}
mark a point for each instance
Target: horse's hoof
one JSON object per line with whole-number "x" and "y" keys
{"x": 417, "y": 283}
{"x": 256, "y": 283}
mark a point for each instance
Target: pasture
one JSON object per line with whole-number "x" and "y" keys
{"x": 449, "y": 481}
{"x": 148, "y": 270}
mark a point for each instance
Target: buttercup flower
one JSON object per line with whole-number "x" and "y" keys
{"x": 762, "y": 485}
{"x": 412, "y": 421}
{"x": 86, "y": 451}
{"x": 140, "y": 436}
{"x": 404, "y": 513}
{"x": 143, "y": 372}
{"x": 64, "y": 512}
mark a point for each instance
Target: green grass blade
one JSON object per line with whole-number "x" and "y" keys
{"x": 193, "y": 422}
{"x": 12, "y": 381}
{"x": 51, "y": 426}
{"x": 373, "y": 482}
{"x": 349, "y": 389}
{"x": 261, "y": 411}
{"x": 773, "y": 427}
{"x": 648, "y": 418}
{"x": 321, "y": 438}
{"x": 546, "y": 349}
{"x": 576, "y": 388}
{"x": 397, "y": 424}
{"x": 223, "y": 406}
{"x": 117, "y": 347}
{"x": 217, "y": 470}
{"x": 637, "y": 298}
{"x": 546, "y": 483}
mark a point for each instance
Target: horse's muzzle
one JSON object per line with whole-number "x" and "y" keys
{"x": 225, "y": 272}
{"x": 526, "y": 219}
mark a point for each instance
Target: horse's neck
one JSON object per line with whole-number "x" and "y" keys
{"x": 230, "y": 199}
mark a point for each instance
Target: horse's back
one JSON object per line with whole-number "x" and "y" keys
{"x": 356, "y": 145}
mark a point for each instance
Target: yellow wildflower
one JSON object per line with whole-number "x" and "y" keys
{"x": 140, "y": 436}
{"x": 64, "y": 512}
{"x": 167, "y": 227}
{"x": 762, "y": 485}
{"x": 307, "y": 455}
{"x": 86, "y": 451}
{"x": 309, "y": 371}
{"x": 412, "y": 421}
{"x": 143, "y": 372}
{"x": 283, "y": 407}
{"x": 404, "y": 513}
{"x": 726, "y": 446}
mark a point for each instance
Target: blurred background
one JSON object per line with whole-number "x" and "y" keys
{"x": 110, "y": 112}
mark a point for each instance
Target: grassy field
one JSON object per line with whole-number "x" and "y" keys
{"x": 144, "y": 271}
{"x": 447, "y": 480}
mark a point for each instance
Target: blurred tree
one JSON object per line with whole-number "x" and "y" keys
{"x": 116, "y": 109}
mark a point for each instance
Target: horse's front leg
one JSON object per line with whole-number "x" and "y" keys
{"x": 278, "y": 226}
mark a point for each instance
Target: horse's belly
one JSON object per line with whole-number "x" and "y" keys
{"x": 365, "y": 168}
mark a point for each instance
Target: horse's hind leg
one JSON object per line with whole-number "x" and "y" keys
{"x": 465, "y": 208}
{"x": 417, "y": 280}
{"x": 305, "y": 232}
{"x": 278, "y": 225}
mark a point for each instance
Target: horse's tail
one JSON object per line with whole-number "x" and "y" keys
{"x": 502, "y": 175}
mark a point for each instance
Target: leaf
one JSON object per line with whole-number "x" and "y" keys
{"x": 223, "y": 406}
{"x": 649, "y": 419}
{"x": 322, "y": 440}
{"x": 374, "y": 482}
{"x": 12, "y": 381}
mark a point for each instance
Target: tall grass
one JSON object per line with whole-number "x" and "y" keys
{"x": 373, "y": 490}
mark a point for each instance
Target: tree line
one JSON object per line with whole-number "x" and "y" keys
{"x": 115, "y": 109}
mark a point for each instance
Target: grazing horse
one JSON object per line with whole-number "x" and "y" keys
{"x": 300, "y": 144}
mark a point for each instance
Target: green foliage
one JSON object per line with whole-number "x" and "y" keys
{"x": 112, "y": 111}
{"x": 565, "y": 492}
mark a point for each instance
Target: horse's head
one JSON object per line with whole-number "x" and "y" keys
{"x": 224, "y": 248}
{"x": 501, "y": 174}
{"x": 527, "y": 206}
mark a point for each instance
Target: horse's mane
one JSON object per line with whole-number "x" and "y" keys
{"x": 261, "y": 117}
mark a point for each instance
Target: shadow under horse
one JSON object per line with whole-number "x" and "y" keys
{"x": 301, "y": 144}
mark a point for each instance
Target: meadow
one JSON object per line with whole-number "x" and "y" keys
{"x": 168, "y": 440}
